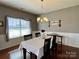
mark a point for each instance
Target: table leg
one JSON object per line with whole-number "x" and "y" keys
{"x": 24, "y": 53}
{"x": 61, "y": 42}
{"x": 31, "y": 55}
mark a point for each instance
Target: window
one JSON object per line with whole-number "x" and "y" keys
{"x": 17, "y": 27}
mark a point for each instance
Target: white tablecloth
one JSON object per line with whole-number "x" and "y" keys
{"x": 34, "y": 45}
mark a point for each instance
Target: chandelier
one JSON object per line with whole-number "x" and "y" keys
{"x": 42, "y": 19}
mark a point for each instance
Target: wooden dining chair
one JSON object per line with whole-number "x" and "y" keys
{"x": 54, "y": 44}
{"x": 27, "y": 37}
{"x": 37, "y": 34}
{"x": 46, "y": 48}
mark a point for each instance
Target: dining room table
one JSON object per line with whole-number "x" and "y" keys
{"x": 34, "y": 45}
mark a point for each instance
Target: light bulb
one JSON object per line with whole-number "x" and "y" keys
{"x": 38, "y": 19}
{"x": 45, "y": 19}
{"x": 42, "y": 19}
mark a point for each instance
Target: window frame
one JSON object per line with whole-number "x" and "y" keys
{"x": 7, "y": 29}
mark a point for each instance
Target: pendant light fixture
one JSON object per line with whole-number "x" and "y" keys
{"x": 42, "y": 19}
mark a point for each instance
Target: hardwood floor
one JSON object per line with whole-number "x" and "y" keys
{"x": 65, "y": 52}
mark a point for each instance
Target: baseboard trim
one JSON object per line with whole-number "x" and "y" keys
{"x": 9, "y": 49}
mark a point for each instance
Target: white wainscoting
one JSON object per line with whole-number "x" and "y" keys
{"x": 69, "y": 39}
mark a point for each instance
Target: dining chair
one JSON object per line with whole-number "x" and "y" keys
{"x": 46, "y": 49}
{"x": 37, "y": 34}
{"x": 54, "y": 44}
{"x": 27, "y": 37}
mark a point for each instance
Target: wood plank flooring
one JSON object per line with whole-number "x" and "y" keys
{"x": 65, "y": 52}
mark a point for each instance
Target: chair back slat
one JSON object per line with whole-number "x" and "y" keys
{"x": 37, "y": 34}
{"x": 27, "y": 37}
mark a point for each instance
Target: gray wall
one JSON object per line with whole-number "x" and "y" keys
{"x": 69, "y": 20}
{"x": 7, "y": 11}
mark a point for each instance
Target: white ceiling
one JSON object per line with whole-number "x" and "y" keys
{"x": 34, "y": 6}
